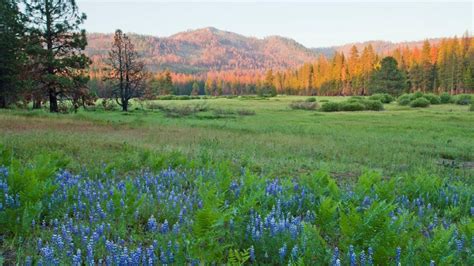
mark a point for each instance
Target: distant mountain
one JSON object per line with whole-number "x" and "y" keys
{"x": 209, "y": 49}
{"x": 380, "y": 47}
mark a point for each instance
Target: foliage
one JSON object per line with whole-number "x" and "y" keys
{"x": 420, "y": 102}
{"x": 382, "y": 97}
{"x": 331, "y": 107}
{"x": 219, "y": 216}
{"x": 311, "y": 99}
{"x": 351, "y": 106}
{"x": 463, "y": 99}
{"x": 388, "y": 79}
{"x": 432, "y": 98}
{"x": 445, "y": 98}
{"x": 57, "y": 50}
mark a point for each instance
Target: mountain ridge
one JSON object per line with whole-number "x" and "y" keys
{"x": 211, "y": 49}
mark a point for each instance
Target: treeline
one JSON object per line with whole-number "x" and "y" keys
{"x": 444, "y": 66}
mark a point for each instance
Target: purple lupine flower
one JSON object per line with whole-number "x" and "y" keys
{"x": 362, "y": 258}
{"x": 371, "y": 254}
{"x": 165, "y": 227}
{"x": 152, "y": 225}
{"x": 398, "y": 255}
{"x": 252, "y": 254}
{"x": 77, "y": 258}
{"x": 294, "y": 252}
{"x": 282, "y": 252}
{"x": 335, "y": 255}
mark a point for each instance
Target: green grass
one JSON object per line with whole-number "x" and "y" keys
{"x": 276, "y": 140}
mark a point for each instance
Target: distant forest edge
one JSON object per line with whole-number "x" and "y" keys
{"x": 214, "y": 62}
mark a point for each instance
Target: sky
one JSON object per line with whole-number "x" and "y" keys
{"x": 313, "y": 24}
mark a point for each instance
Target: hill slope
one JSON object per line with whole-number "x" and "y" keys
{"x": 209, "y": 49}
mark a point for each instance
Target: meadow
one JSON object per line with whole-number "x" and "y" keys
{"x": 238, "y": 180}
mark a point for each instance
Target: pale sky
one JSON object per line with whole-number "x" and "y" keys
{"x": 313, "y": 24}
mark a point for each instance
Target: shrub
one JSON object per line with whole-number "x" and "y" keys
{"x": 181, "y": 111}
{"x": 434, "y": 99}
{"x": 417, "y": 95}
{"x": 352, "y": 106}
{"x": 303, "y": 105}
{"x": 311, "y": 99}
{"x": 324, "y": 101}
{"x": 472, "y": 107}
{"x": 446, "y": 98}
{"x": 245, "y": 112}
{"x": 463, "y": 99}
{"x": 420, "y": 102}
{"x": 331, "y": 107}
{"x": 373, "y": 105}
{"x": 404, "y": 99}
{"x": 382, "y": 97}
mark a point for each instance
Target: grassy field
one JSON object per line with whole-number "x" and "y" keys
{"x": 276, "y": 140}
{"x": 240, "y": 181}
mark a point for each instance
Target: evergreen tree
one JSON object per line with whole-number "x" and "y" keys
{"x": 61, "y": 63}
{"x": 388, "y": 79}
{"x": 11, "y": 52}
{"x": 195, "y": 90}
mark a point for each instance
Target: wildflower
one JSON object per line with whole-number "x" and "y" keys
{"x": 252, "y": 254}
{"x": 282, "y": 252}
{"x": 398, "y": 254}
{"x": 294, "y": 252}
{"x": 152, "y": 225}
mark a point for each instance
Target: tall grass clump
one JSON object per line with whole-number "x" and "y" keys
{"x": 303, "y": 105}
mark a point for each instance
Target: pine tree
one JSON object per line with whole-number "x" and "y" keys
{"x": 61, "y": 62}
{"x": 11, "y": 52}
{"x": 195, "y": 90}
{"x": 388, "y": 79}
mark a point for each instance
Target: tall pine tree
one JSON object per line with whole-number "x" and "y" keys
{"x": 61, "y": 62}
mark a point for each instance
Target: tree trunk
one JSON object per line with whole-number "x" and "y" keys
{"x": 53, "y": 101}
{"x": 125, "y": 105}
{"x": 36, "y": 103}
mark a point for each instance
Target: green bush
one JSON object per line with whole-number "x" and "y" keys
{"x": 405, "y": 99}
{"x": 352, "y": 106}
{"x": 382, "y": 97}
{"x": 463, "y": 99}
{"x": 472, "y": 107}
{"x": 311, "y": 99}
{"x": 331, "y": 107}
{"x": 446, "y": 98}
{"x": 303, "y": 105}
{"x": 372, "y": 105}
{"x": 417, "y": 95}
{"x": 434, "y": 99}
{"x": 420, "y": 102}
